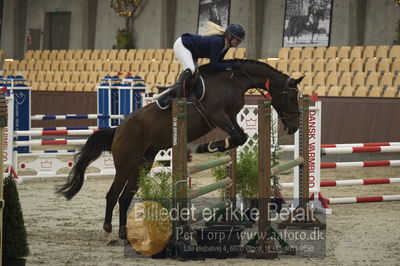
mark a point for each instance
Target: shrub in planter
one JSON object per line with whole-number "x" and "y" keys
{"x": 15, "y": 245}
{"x": 157, "y": 188}
{"x": 397, "y": 40}
{"x": 247, "y": 175}
{"x": 124, "y": 38}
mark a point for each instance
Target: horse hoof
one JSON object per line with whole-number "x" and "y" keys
{"x": 122, "y": 232}
{"x": 112, "y": 243}
{"x": 202, "y": 148}
{"x": 107, "y": 228}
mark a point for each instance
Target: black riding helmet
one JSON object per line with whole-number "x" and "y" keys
{"x": 236, "y": 30}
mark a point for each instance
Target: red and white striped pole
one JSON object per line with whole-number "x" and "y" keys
{"x": 360, "y": 144}
{"x": 32, "y": 143}
{"x": 346, "y": 145}
{"x": 363, "y": 199}
{"x": 369, "y": 149}
{"x": 360, "y": 164}
{"x": 352, "y": 182}
{"x": 84, "y": 132}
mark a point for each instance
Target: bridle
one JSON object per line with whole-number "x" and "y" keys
{"x": 283, "y": 95}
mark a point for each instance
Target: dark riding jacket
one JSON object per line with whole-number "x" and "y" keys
{"x": 211, "y": 47}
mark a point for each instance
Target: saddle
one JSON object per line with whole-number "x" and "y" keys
{"x": 194, "y": 91}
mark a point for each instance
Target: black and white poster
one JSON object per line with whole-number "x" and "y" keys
{"x": 307, "y": 23}
{"x": 216, "y": 11}
{"x": 1, "y": 17}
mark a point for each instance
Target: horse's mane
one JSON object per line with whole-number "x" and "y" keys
{"x": 250, "y": 61}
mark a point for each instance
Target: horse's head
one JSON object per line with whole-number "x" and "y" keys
{"x": 283, "y": 90}
{"x": 320, "y": 13}
{"x": 286, "y": 103}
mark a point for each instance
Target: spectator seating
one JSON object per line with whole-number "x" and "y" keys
{"x": 359, "y": 71}
{"x": 81, "y": 70}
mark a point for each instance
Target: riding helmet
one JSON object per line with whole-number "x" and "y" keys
{"x": 236, "y": 30}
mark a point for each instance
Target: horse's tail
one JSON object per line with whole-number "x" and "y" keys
{"x": 97, "y": 143}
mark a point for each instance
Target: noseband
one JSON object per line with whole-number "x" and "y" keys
{"x": 285, "y": 97}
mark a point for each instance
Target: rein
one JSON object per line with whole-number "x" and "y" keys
{"x": 200, "y": 109}
{"x": 284, "y": 93}
{"x": 252, "y": 81}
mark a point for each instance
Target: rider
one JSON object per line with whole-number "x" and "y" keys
{"x": 214, "y": 45}
{"x": 311, "y": 13}
{"x": 213, "y": 11}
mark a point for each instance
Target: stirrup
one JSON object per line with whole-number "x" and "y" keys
{"x": 164, "y": 88}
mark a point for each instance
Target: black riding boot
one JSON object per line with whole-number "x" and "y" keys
{"x": 182, "y": 85}
{"x": 178, "y": 90}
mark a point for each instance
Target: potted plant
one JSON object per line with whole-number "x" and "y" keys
{"x": 15, "y": 245}
{"x": 247, "y": 177}
{"x": 157, "y": 188}
{"x": 128, "y": 9}
{"x": 397, "y": 40}
{"x": 124, "y": 39}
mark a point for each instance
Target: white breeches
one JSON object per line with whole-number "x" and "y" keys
{"x": 184, "y": 55}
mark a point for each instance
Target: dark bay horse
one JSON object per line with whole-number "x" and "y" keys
{"x": 137, "y": 140}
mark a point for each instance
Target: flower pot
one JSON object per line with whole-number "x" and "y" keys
{"x": 20, "y": 262}
{"x": 253, "y": 204}
{"x": 161, "y": 255}
{"x": 121, "y": 47}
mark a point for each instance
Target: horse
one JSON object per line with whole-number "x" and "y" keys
{"x": 136, "y": 141}
{"x": 298, "y": 24}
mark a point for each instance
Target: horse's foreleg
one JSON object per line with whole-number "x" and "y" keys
{"x": 236, "y": 137}
{"x": 239, "y": 129}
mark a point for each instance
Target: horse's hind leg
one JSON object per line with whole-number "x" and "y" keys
{"x": 112, "y": 197}
{"x": 131, "y": 188}
{"x": 124, "y": 202}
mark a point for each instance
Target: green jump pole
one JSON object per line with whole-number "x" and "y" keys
{"x": 208, "y": 165}
{"x": 207, "y": 189}
{"x": 286, "y": 166}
